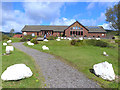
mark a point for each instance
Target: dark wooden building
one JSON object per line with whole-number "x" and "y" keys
{"x": 76, "y": 29}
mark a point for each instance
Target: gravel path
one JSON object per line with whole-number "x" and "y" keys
{"x": 57, "y": 74}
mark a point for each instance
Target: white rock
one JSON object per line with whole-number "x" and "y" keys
{"x": 29, "y": 43}
{"x": 9, "y": 41}
{"x": 45, "y": 40}
{"x": 65, "y": 38}
{"x": 24, "y": 33}
{"x": 69, "y": 38}
{"x": 97, "y": 38}
{"x": 16, "y": 72}
{"x": 9, "y": 48}
{"x": 4, "y": 44}
{"x": 61, "y": 37}
{"x": 104, "y": 70}
{"x": 89, "y": 38}
{"x": 45, "y": 48}
{"x": 81, "y": 38}
{"x": 105, "y": 54}
{"x": 58, "y": 39}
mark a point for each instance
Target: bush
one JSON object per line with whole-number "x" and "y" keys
{"x": 97, "y": 43}
{"x": 116, "y": 41}
{"x": 34, "y": 41}
{"x": 5, "y": 37}
{"x": 23, "y": 39}
{"x": 73, "y": 42}
{"x": 77, "y": 42}
{"x": 51, "y": 38}
{"x": 101, "y": 43}
{"x": 28, "y": 37}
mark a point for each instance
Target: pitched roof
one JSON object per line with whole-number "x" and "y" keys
{"x": 95, "y": 29}
{"x": 61, "y": 28}
{"x": 44, "y": 27}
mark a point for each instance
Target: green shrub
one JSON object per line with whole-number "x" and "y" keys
{"x": 34, "y": 41}
{"x": 91, "y": 42}
{"x": 116, "y": 41}
{"x": 97, "y": 43}
{"x": 51, "y": 38}
{"x": 5, "y": 37}
{"x": 23, "y": 39}
{"x": 73, "y": 42}
{"x": 77, "y": 42}
{"x": 28, "y": 37}
{"x": 101, "y": 43}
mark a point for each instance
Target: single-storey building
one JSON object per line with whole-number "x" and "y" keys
{"x": 75, "y": 29}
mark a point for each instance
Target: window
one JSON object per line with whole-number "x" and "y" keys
{"x": 78, "y": 32}
{"x": 73, "y": 32}
{"x": 70, "y": 32}
{"x": 73, "y": 27}
{"x": 93, "y": 36}
{"x": 81, "y": 28}
{"x": 78, "y": 27}
{"x": 98, "y": 36}
{"x": 81, "y": 32}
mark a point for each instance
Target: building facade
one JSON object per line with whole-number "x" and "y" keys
{"x": 74, "y": 30}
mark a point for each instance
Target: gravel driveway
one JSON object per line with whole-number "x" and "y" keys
{"x": 57, "y": 74}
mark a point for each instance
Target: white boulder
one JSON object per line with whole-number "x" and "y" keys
{"x": 81, "y": 38}
{"x": 16, "y": 72}
{"x": 9, "y": 48}
{"x": 89, "y": 38}
{"x": 104, "y": 70}
{"x": 58, "y": 39}
{"x": 9, "y": 41}
{"x": 4, "y": 44}
{"x": 65, "y": 38}
{"x": 69, "y": 38}
{"x": 97, "y": 38}
{"x": 45, "y": 40}
{"x": 62, "y": 38}
{"x": 105, "y": 54}
{"x": 29, "y": 43}
{"x": 45, "y": 48}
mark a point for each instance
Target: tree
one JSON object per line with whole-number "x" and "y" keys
{"x": 11, "y": 32}
{"x": 113, "y": 16}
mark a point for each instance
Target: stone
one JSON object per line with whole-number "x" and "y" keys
{"x": 9, "y": 48}
{"x": 16, "y": 72}
{"x": 58, "y": 39}
{"x": 45, "y": 48}
{"x": 65, "y": 38}
{"x": 105, "y": 54}
{"x": 97, "y": 38}
{"x": 81, "y": 38}
{"x": 29, "y": 43}
{"x": 104, "y": 70}
{"x": 4, "y": 44}
{"x": 69, "y": 38}
{"x": 45, "y": 40}
{"x": 24, "y": 33}
{"x": 9, "y": 41}
{"x": 62, "y": 38}
{"x": 89, "y": 38}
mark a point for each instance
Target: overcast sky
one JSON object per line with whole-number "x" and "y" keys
{"x": 18, "y": 14}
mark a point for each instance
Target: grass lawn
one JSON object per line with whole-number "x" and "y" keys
{"x": 82, "y": 57}
{"x": 18, "y": 57}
